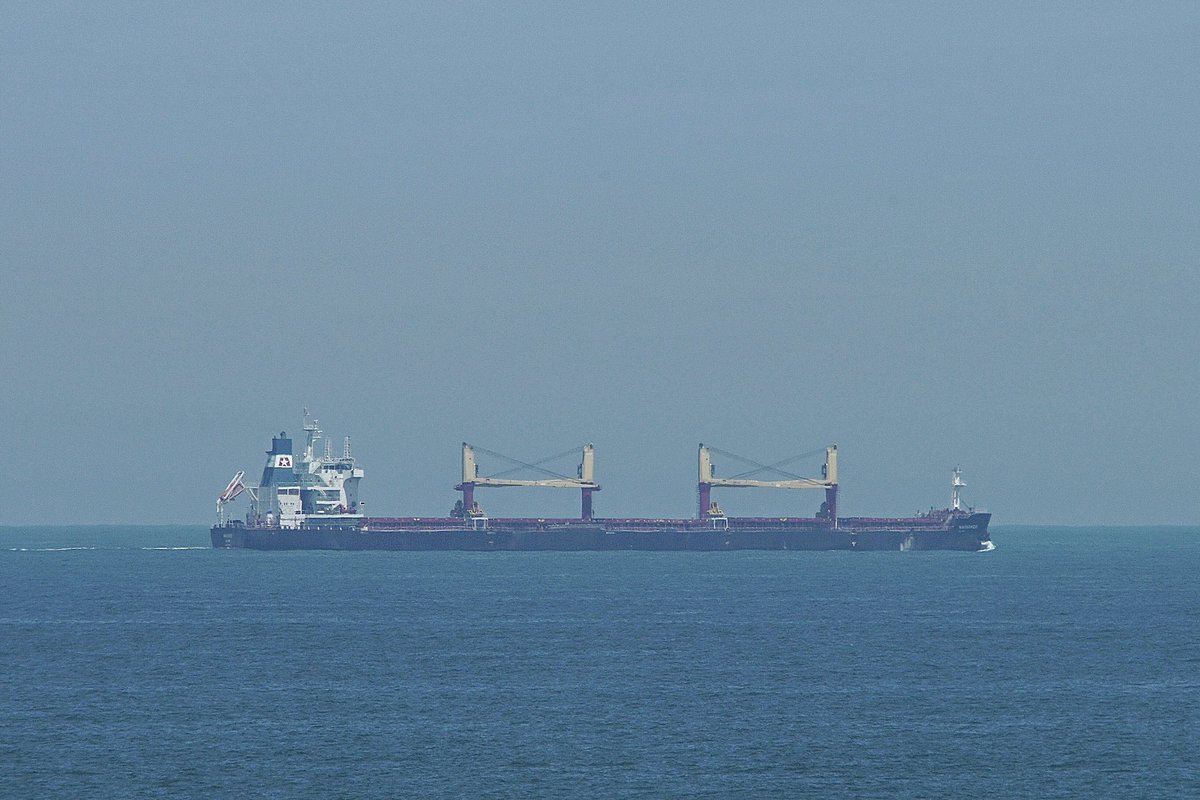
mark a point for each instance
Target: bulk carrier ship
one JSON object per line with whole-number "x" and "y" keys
{"x": 307, "y": 501}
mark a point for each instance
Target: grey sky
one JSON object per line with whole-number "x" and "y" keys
{"x": 933, "y": 233}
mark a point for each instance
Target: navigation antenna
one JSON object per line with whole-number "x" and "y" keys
{"x": 313, "y": 432}
{"x": 957, "y": 484}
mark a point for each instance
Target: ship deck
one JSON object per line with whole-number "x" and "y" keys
{"x": 652, "y": 523}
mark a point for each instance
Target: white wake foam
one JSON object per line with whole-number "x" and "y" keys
{"x": 46, "y": 549}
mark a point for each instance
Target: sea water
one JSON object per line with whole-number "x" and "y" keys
{"x": 137, "y": 662}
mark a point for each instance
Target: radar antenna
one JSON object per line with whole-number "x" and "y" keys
{"x": 312, "y": 432}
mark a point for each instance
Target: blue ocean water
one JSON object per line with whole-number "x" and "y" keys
{"x": 137, "y": 662}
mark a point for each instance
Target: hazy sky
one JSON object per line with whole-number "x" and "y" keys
{"x": 935, "y": 234}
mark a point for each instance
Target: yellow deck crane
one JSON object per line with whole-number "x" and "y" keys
{"x": 471, "y": 478}
{"x": 709, "y": 510}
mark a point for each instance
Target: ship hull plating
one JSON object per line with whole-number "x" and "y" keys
{"x": 967, "y": 532}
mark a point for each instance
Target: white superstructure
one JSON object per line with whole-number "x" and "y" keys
{"x": 304, "y": 489}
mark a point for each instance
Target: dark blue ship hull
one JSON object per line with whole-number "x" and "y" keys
{"x": 956, "y": 532}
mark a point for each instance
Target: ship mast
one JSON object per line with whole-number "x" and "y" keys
{"x": 956, "y": 484}
{"x": 312, "y": 432}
